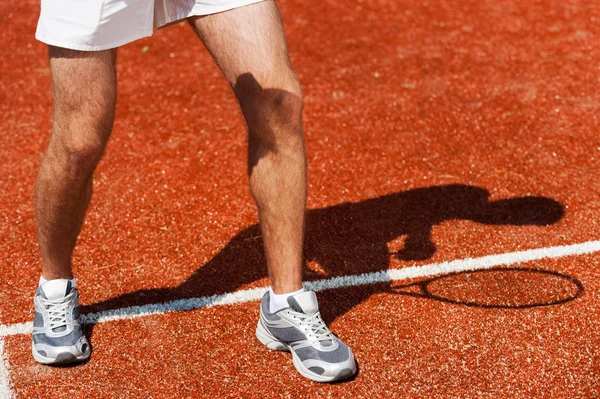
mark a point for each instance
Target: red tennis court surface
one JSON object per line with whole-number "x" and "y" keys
{"x": 437, "y": 131}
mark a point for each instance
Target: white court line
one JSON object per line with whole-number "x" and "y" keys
{"x": 5, "y": 389}
{"x": 242, "y": 296}
{"x": 253, "y": 294}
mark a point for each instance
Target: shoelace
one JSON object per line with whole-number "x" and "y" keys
{"x": 58, "y": 311}
{"x": 316, "y": 326}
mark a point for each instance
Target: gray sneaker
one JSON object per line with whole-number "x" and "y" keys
{"x": 57, "y": 334}
{"x": 317, "y": 354}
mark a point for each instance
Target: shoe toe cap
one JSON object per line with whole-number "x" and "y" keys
{"x": 64, "y": 354}
{"x": 332, "y": 371}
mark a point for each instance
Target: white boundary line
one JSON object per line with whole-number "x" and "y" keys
{"x": 5, "y": 389}
{"x": 253, "y": 294}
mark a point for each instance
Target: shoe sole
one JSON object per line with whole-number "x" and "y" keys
{"x": 274, "y": 344}
{"x": 62, "y": 358}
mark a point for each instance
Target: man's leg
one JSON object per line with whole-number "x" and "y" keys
{"x": 84, "y": 88}
{"x": 249, "y": 45}
{"x": 84, "y": 91}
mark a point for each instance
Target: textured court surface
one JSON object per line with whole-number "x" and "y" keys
{"x": 437, "y": 131}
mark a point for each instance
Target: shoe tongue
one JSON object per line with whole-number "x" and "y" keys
{"x": 56, "y": 289}
{"x": 305, "y": 302}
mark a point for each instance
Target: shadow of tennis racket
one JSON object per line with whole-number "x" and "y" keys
{"x": 499, "y": 288}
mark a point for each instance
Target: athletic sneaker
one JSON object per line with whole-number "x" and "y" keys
{"x": 317, "y": 353}
{"x": 57, "y": 334}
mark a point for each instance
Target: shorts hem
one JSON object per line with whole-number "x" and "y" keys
{"x": 199, "y": 10}
{"x": 90, "y": 47}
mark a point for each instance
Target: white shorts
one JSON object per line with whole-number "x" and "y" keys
{"x": 92, "y": 25}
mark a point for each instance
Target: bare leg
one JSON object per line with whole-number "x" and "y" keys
{"x": 248, "y": 44}
{"x": 84, "y": 90}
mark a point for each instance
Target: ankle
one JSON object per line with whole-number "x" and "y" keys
{"x": 43, "y": 280}
{"x": 285, "y": 287}
{"x": 279, "y": 301}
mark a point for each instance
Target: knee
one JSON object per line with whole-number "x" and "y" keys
{"x": 78, "y": 141}
{"x": 274, "y": 115}
{"x": 284, "y": 104}
{"x": 83, "y": 153}
{"x": 76, "y": 155}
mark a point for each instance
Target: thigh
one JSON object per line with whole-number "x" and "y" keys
{"x": 248, "y": 42}
{"x": 84, "y": 90}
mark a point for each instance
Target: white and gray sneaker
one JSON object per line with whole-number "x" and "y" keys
{"x": 317, "y": 354}
{"x": 57, "y": 335}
